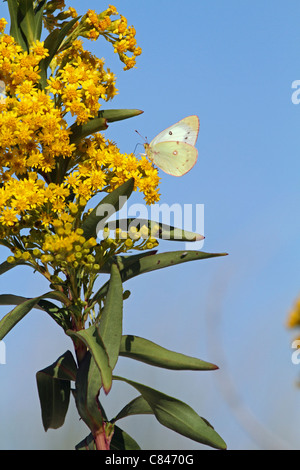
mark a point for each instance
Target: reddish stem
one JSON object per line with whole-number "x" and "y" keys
{"x": 102, "y": 442}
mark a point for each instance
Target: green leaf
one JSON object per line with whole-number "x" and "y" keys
{"x": 144, "y": 350}
{"x": 87, "y": 444}
{"x": 163, "y": 260}
{"x": 5, "y": 243}
{"x": 178, "y": 416}
{"x": 11, "y": 299}
{"x": 15, "y": 29}
{"x": 92, "y": 339}
{"x": 137, "y": 406}
{"x": 39, "y": 19}
{"x": 157, "y": 229}
{"x": 109, "y": 204}
{"x": 5, "y": 266}
{"x": 122, "y": 441}
{"x": 110, "y": 326}
{"x": 60, "y": 315}
{"x": 53, "y": 42}
{"x": 88, "y": 384}
{"x": 27, "y": 24}
{"x": 83, "y": 130}
{"x": 53, "y": 384}
{"x": 157, "y": 261}
{"x": 112, "y": 115}
{"x": 19, "y": 312}
{"x": 124, "y": 261}
{"x": 100, "y": 123}
{"x": 64, "y": 368}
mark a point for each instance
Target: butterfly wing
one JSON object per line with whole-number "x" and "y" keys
{"x": 185, "y": 130}
{"x": 174, "y": 158}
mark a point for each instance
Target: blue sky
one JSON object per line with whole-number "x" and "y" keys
{"x": 231, "y": 63}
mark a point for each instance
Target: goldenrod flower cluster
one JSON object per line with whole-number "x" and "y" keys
{"x": 64, "y": 248}
{"x": 45, "y": 179}
{"x": 92, "y": 25}
{"x": 80, "y": 82}
{"x": 117, "y": 32}
{"x": 33, "y": 132}
{"x": 102, "y": 165}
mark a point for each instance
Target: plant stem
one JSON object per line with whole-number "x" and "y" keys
{"x": 101, "y": 440}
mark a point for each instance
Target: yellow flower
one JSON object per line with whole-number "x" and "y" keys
{"x": 3, "y": 23}
{"x": 45, "y": 181}
{"x": 294, "y": 316}
{"x": 39, "y": 50}
{"x": 55, "y": 85}
{"x": 8, "y": 217}
{"x": 144, "y": 232}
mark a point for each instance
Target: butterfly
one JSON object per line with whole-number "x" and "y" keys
{"x": 173, "y": 150}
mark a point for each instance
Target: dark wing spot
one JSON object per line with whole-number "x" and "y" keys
{"x": 170, "y": 133}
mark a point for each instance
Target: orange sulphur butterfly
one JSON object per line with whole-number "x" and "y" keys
{"x": 173, "y": 150}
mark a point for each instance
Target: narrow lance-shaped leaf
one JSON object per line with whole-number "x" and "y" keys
{"x": 88, "y": 384}
{"x": 5, "y": 243}
{"x": 120, "y": 441}
{"x": 154, "y": 262}
{"x": 110, "y": 325}
{"x": 15, "y": 30}
{"x": 39, "y": 19}
{"x": 178, "y": 416}
{"x": 19, "y": 312}
{"x": 53, "y": 385}
{"x": 137, "y": 406}
{"x": 163, "y": 260}
{"x": 99, "y": 123}
{"x": 146, "y": 351}
{"x": 109, "y": 204}
{"x": 112, "y": 115}
{"x": 5, "y": 266}
{"x": 11, "y": 299}
{"x": 27, "y": 24}
{"x": 88, "y": 443}
{"x": 91, "y": 338}
{"x": 64, "y": 368}
{"x": 124, "y": 261}
{"x": 83, "y": 130}
{"x": 60, "y": 315}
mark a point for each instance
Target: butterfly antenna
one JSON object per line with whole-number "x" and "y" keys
{"x": 145, "y": 138}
